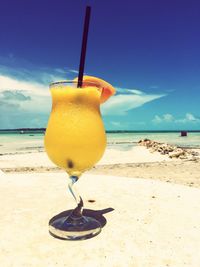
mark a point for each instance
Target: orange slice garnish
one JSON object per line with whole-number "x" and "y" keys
{"x": 106, "y": 89}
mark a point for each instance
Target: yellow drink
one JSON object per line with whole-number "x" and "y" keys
{"x": 75, "y": 137}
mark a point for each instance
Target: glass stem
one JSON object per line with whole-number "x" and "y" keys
{"x": 77, "y": 212}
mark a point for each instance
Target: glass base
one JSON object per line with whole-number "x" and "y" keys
{"x": 74, "y": 228}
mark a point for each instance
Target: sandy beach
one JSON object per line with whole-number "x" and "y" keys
{"x": 147, "y": 204}
{"x": 136, "y": 162}
{"x": 145, "y": 222}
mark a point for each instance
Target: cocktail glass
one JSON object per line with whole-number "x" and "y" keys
{"x": 75, "y": 140}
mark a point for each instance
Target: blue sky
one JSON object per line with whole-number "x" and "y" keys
{"x": 148, "y": 50}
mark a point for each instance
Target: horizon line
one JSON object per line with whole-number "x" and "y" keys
{"x": 151, "y": 130}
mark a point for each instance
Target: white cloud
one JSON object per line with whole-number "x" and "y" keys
{"x": 30, "y": 72}
{"x": 129, "y": 91}
{"x": 30, "y": 87}
{"x": 157, "y": 119}
{"x": 73, "y": 71}
{"x": 25, "y": 98}
{"x": 23, "y": 103}
{"x": 120, "y": 104}
{"x": 14, "y": 95}
{"x": 32, "y": 84}
{"x": 166, "y": 118}
{"x": 189, "y": 117}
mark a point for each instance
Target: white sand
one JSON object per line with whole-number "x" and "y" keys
{"x": 135, "y": 155}
{"x": 1, "y": 173}
{"x": 137, "y": 162}
{"x": 111, "y": 156}
{"x": 153, "y": 224}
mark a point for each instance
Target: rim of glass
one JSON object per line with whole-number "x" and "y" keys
{"x": 70, "y": 82}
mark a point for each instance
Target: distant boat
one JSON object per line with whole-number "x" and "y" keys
{"x": 183, "y": 133}
{"x": 21, "y": 132}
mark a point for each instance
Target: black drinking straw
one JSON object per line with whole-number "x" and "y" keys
{"x": 84, "y": 46}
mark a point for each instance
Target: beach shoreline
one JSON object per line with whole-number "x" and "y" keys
{"x": 137, "y": 162}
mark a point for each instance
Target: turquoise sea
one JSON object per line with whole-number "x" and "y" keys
{"x": 22, "y": 141}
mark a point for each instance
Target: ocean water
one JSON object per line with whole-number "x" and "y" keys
{"x": 30, "y": 141}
